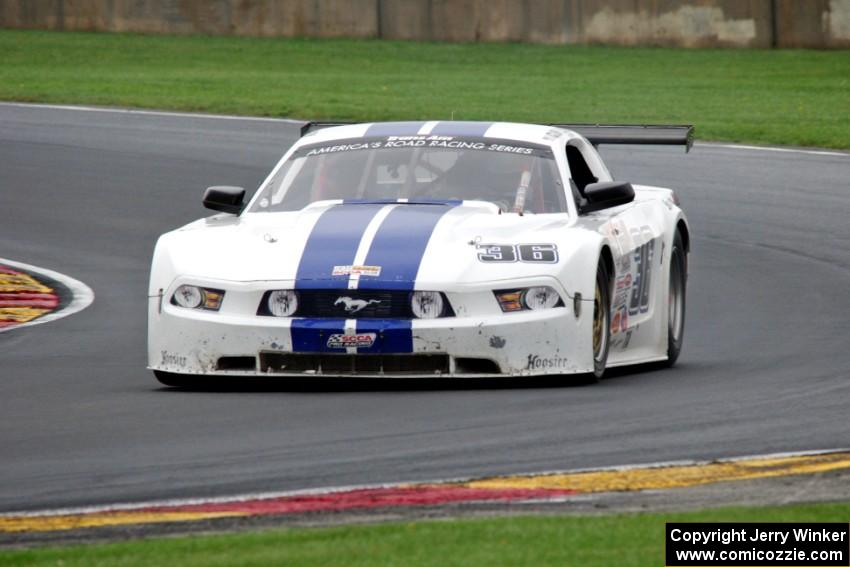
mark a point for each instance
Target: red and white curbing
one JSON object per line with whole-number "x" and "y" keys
{"x": 82, "y": 296}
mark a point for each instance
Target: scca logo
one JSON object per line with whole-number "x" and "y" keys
{"x": 364, "y": 340}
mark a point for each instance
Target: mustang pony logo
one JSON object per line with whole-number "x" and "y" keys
{"x": 355, "y": 305}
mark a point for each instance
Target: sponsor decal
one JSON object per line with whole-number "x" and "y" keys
{"x": 364, "y": 340}
{"x": 622, "y": 340}
{"x": 620, "y": 320}
{"x": 537, "y": 362}
{"x": 354, "y": 305}
{"x": 419, "y": 137}
{"x": 622, "y": 290}
{"x": 469, "y": 141}
{"x": 171, "y": 359}
{"x": 373, "y": 271}
{"x": 341, "y": 148}
{"x": 421, "y": 142}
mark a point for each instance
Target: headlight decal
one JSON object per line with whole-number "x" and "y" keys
{"x": 427, "y": 304}
{"x": 510, "y": 300}
{"x": 540, "y": 297}
{"x": 196, "y": 297}
{"x": 213, "y": 299}
{"x": 282, "y": 302}
{"x": 528, "y": 299}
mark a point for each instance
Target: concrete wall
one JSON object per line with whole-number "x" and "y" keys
{"x": 689, "y": 23}
{"x": 290, "y": 18}
{"x": 813, "y": 23}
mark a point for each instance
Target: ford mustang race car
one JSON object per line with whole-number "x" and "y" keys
{"x": 427, "y": 249}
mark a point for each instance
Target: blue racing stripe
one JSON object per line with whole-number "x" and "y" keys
{"x": 311, "y": 335}
{"x": 333, "y": 242}
{"x": 399, "y": 246}
{"x": 394, "y": 129}
{"x": 473, "y": 129}
{"x": 393, "y": 336}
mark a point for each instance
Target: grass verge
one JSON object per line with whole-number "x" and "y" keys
{"x": 763, "y": 96}
{"x": 627, "y": 540}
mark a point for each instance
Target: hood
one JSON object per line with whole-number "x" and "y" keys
{"x": 387, "y": 245}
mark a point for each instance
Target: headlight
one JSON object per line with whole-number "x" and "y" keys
{"x": 510, "y": 300}
{"x": 188, "y": 296}
{"x": 194, "y": 297}
{"x": 426, "y": 304}
{"x": 541, "y": 297}
{"x": 534, "y": 298}
{"x": 282, "y": 302}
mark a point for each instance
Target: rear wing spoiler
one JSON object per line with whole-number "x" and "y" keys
{"x": 596, "y": 134}
{"x": 643, "y": 135}
{"x": 311, "y": 126}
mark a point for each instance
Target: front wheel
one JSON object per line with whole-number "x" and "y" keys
{"x": 601, "y": 322}
{"x": 676, "y": 299}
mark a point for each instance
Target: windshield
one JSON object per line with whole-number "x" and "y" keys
{"x": 513, "y": 175}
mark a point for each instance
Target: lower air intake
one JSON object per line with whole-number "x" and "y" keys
{"x": 343, "y": 364}
{"x": 476, "y": 366}
{"x": 237, "y": 363}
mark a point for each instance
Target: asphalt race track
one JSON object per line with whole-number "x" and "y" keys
{"x": 766, "y": 364}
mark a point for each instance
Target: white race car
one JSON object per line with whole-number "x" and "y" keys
{"x": 427, "y": 249}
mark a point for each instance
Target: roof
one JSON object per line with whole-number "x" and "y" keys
{"x": 596, "y": 134}
{"x": 532, "y": 133}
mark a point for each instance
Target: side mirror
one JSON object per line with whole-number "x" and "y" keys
{"x": 607, "y": 194}
{"x": 225, "y": 198}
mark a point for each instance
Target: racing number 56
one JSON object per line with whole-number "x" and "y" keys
{"x": 643, "y": 257}
{"x": 544, "y": 253}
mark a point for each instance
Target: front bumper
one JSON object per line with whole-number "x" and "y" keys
{"x": 480, "y": 341}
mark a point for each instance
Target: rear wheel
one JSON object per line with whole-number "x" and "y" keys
{"x": 601, "y": 322}
{"x": 676, "y": 299}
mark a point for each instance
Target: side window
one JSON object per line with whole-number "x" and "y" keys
{"x": 579, "y": 170}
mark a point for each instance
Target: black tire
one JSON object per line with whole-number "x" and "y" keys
{"x": 678, "y": 281}
{"x": 601, "y": 334}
